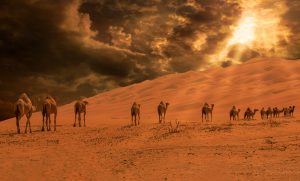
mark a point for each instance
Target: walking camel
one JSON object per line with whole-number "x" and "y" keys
{"x": 291, "y": 110}
{"x": 234, "y": 114}
{"x": 162, "y": 109}
{"x": 269, "y": 112}
{"x": 80, "y": 107}
{"x": 135, "y": 112}
{"x": 249, "y": 114}
{"x": 49, "y": 107}
{"x": 22, "y": 107}
{"x": 206, "y": 110}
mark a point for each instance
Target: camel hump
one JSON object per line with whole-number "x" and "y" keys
{"x": 25, "y": 98}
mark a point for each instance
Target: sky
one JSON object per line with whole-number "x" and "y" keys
{"x": 73, "y": 48}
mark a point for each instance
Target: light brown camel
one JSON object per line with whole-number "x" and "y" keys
{"x": 234, "y": 114}
{"x": 162, "y": 109}
{"x": 49, "y": 107}
{"x": 206, "y": 110}
{"x": 249, "y": 114}
{"x": 276, "y": 112}
{"x": 80, "y": 107}
{"x": 135, "y": 112}
{"x": 263, "y": 113}
{"x": 269, "y": 113}
{"x": 285, "y": 112}
{"x": 22, "y": 107}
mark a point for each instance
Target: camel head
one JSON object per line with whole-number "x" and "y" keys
{"x": 85, "y": 102}
{"x": 239, "y": 110}
{"x": 167, "y": 104}
{"x": 212, "y": 106}
{"x": 139, "y": 105}
{"x": 81, "y": 98}
{"x": 24, "y": 96}
{"x": 255, "y": 110}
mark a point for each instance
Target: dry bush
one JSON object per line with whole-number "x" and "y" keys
{"x": 174, "y": 129}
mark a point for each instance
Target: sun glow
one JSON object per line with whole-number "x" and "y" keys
{"x": 259, "y": 32}
{"x": 245, "y": 32}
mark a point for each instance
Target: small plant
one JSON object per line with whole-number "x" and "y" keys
{"x": 174, "y": 129}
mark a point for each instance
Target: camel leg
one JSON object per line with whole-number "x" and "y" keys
{"x": 29, "y": 126}
{"x": 139, "y": 119}
{"x": 26, "y": 126}
{"x": 74, "y": 125}
{"x": 55, "y": 114}
{"x": 211, "y": 117}
{"x": 46, "y": 122}
{"x": 17, "y": 123}
{"x": 49, "y": 122}
{"x": 84, "y": 118}
{"x": 29, "y": 116}
{"x": 79, "y": 119}
{"x": 43, "y": 128}
{"x": 202, "y": 117}
{"x": 159, "y": 118}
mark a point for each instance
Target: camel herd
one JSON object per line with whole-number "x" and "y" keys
{"x": 265, "y": 113}
{"x": 23, "y": 106}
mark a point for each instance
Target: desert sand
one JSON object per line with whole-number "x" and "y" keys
{"x": 109, "y": 148}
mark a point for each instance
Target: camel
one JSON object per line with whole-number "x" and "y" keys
{"x": 269, "y": 112}
{"x": 135, "y": 112}
{"x": 249, "y": 114}
{"x": 291, "y": 110}
{"x": 80, "y": 107}
{"x": 22, "y": 107}
{"x": 263, "y": 113}
{"x": 234, "y": 113}
{"x": 206, "y": 110}
{"x": 49, "y": 107}
{"x": 162, "y": 109}
{"x": 276, "y": 112}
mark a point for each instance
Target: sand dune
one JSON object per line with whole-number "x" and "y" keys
{"x": 257, "y": 83}
{"x": 109, "y": 149}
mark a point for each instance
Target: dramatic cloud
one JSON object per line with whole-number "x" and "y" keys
{"x": 82, "y": 47}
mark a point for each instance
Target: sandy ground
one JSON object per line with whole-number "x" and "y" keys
{"x": 110, "y": 149}
{"x": 256, "y": 150}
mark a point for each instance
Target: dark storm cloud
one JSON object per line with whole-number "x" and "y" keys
{"x": 73, "y": 48}
{"x": 291, "y": 20}
{"x": 70, "y": 48}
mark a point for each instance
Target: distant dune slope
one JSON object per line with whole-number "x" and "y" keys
{"x": 256, "y": 83}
